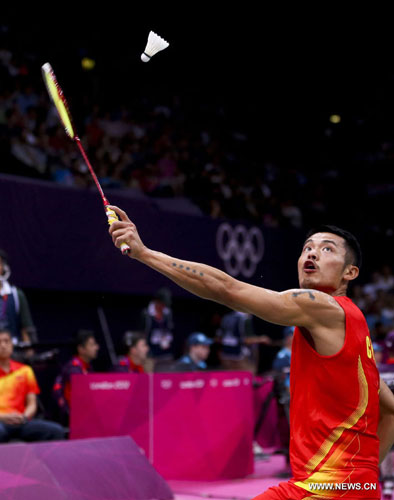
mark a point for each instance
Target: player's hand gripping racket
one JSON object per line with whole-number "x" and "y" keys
{"x": 58, "y": 99}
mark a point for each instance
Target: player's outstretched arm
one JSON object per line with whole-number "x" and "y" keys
{"x": 292, "y": 307}
{"x": 386, "y": 420}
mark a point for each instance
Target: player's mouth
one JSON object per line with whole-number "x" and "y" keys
{"x": 310, "y": 266}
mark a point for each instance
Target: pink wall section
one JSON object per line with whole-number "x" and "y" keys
{"x": 190, "y": 425}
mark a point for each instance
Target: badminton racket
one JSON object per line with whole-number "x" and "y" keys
{"x": 57, "y": 97}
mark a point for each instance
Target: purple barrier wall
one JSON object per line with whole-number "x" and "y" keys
{"x": 57, "y": 239}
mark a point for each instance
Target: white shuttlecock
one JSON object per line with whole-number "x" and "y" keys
{"x": 155, "y": 44}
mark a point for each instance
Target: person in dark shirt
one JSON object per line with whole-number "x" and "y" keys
{"x": 238, "y": 343}
{"x": 199, "y": 348}
{"x": 86, "y": 348}
{"x": 157, "y": 324}
{"x": 135, "y": 358}
{"x": 15, "y": 313}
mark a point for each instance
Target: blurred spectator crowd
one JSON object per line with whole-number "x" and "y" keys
{"x": 376, "y": 300}
{"x": 152, "y": 151}
{"x": 163, "y": 147}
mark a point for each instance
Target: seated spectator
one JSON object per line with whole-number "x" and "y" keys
{"x": 199, "y": 348}
{"x": 237, "y": 339}
{"x": 359, "y": 297}
{"x": 388, "y": 352}
{"x": 86, "y": 348}
{"x": 283, "y": 357}
{"x": 378, "y": 354}
{"x": 387, "y": 311}
{"x": 379, "y": 332}
{"x": 386, "y": 281}
{"x": 281, "y": 365}
{"x": 370, "y": 289}
{"x": 157, "y": 324}
{"x": 386, "y": 467}
{"x": 18, "y": 400}
{"x": 234, "y": 327}
{"x": 137, "y": 351}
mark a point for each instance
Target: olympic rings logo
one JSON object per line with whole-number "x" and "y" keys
{"x": 241, "y": 249}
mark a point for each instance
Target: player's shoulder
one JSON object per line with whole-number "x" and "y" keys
{"x": 16, "y": 366}
{"x": 73, "y": 366}
{"x": 309, "y": 295}
{"x": 23, "y": 369}
{"x": 123, "y": 361}
{"x": 316, "y": 308}
{"x": 185, "y": 360}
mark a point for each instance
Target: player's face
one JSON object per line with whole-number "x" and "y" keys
{"x": 202, "y": 351}
{"x": 140, "y": 350}
{"x": 1, "y": 266}
{"x": 6, "y": 346}
{"x": 90, "y": 349}
{"x": 321, "y": 265}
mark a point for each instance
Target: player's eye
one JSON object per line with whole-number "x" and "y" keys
{"x": 307, "y": 249}
{"x": 328, "y": 248}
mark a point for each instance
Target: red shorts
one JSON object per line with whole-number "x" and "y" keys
{"x": 289, "y": 491}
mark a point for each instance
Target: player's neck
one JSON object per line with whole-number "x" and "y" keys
{"x": 84, "y": 358}
{"x": 341, "y": 291}
{"x": 194, "y": 357}
{"x": 5, "y": 364}
{"x": 135, "y": 359}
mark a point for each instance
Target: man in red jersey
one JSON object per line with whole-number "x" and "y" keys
{"x": 336, "y": 392}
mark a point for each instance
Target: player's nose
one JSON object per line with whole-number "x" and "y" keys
{"x": 313, "y": 255}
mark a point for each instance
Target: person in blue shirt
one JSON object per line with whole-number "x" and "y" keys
{"x": 283, "y": 357}
{"x": 195, "y": 360}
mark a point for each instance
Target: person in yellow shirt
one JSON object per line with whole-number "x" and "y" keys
{"x": 18, "y": 400}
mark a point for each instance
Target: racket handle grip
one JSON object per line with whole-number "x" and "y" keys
{"x": 112, "y": 217}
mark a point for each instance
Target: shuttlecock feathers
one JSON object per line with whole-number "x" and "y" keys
{"x": 155, "y": 44}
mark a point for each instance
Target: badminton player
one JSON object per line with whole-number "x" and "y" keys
{"x": 341, "y": 413}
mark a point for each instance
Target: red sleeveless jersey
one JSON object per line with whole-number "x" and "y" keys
{"x": 334, "y": 414}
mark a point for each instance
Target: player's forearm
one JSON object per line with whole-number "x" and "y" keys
{"x": 202, "y": 280}
{"x": 211, "y": 283}
{"x": 385, "y": 434}
{"x": 30, "y": 410}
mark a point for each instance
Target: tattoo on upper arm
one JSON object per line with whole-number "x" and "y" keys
{"x": 181, "y": 266}
{"x": 311, "y": 296}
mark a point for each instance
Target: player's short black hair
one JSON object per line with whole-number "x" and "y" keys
{"x": 353, "y": 249}
{"x": 81, "y": 337}
{"x": 131, "y": 339}
{"x": 5, "y": 330}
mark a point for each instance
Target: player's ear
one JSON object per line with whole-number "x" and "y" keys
{"x": 351, "y": 272}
